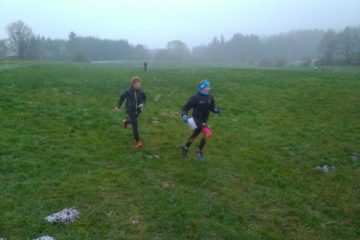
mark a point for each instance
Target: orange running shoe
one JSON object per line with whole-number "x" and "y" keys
{"x": 139, "y": 144}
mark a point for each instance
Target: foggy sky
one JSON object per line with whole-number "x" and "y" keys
{"x": 153, "y": 23}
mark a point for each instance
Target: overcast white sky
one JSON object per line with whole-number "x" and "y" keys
{"x": 156, "y": 22}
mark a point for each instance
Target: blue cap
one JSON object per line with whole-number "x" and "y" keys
{"x": 203, "y": 84}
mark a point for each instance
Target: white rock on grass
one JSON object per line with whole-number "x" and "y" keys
{"x": 355, "y": 156}
{"x": 45, "y": 238}
{"x": 324, "y": 168}
{"x": 157, "y": 97}
{"x": 66, "y": 216}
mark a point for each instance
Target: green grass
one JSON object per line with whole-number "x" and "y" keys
{"x": 62, "y": 145}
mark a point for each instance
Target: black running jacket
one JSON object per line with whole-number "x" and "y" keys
{"x": 201, "y": 105}
{"x": 133, "y": 99}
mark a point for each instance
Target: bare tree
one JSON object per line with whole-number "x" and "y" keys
{"x": 349, "y": 44}
{"x": 19, "y": 37}
{"x": 328, "y": 47}
{"x": 177, "y": 50}
{"x": 3, "y": 49}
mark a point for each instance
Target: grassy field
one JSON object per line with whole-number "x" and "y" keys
{"x": 62, "y": 145}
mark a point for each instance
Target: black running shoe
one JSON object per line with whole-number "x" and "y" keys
{"x": 184, "y": 150}
{"x": 125, "y": 123}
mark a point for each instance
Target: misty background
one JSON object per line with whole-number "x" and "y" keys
{"x": 263, "y": 33}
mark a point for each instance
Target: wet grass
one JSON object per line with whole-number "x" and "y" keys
{"x": 62, "y": 145}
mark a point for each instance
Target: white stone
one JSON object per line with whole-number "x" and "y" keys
{"x": 67, "y": 215}
{"x": 45, "y": 238}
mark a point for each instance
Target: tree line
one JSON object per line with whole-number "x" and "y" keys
{"x": 300, "y": 47}
{"x": 22, "y": 43}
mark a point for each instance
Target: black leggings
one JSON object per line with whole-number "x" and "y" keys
{"x": 191, "y": 139}
{"x": 133, "y": 121}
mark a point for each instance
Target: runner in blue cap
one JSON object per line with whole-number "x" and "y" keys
{"x": 201, "y": 103}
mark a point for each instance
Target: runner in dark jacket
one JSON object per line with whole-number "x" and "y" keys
{"x": 201, "y": 103}
{"x": 135, "y": 100}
